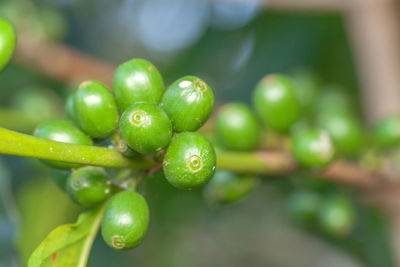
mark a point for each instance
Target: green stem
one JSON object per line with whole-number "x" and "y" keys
{"x": 18, "y": 144}
{"x": 14, "y": 143}
{"x": 261, "y": 162}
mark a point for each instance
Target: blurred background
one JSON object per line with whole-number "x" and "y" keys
{"x": 344, "y": 52}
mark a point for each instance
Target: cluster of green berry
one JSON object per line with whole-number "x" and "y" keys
{"x": 140, "y": 117}
{"x": 322, "y": 126}
{"x": 152, "y": 120}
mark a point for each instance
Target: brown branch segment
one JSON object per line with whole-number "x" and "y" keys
{"x": 61, "y": 62}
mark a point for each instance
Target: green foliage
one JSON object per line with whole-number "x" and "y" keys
{"x": 37, "y": 199}
{"x": 69, "y": 245}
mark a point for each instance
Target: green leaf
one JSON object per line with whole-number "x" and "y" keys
{"x": 69, "y": 245}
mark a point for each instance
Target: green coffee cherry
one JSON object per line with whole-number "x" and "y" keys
{"x": 70, "y": 108}
{"x": 95, "y": 109}
{"x": 336, "y": 216}
{"x": 313, "y": 148}
{"x": 60, "y": 177}
{"x": 188, "y": 102}
{"x": 137, "y": 80}
{"x": 228, "y": 187}
{"x": 303, "y": 206}
{"x": 189, "y": 161}
{"x": 386, "y": 132}
{"x": 89, "y": 186}
{"x": 237, "y": 127}
{"x": 65, "y": 132}
{"x": 7, "y": 42}
{"x": 302, "y": 125}
{"x": 275, "y": 102}
{"x": 306, "y": 86}
{"x": 125, "y": 220}
{"x": 145, "y": 127}
{"x": 346, "y": 132}
{"x": 333, "y": 98}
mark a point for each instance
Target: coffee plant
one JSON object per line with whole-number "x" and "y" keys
{"x": 139, "y": 127}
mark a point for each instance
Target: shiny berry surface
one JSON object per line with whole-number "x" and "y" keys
{"x": 7, "y": 42}
{"x": 189, "y": 161}
{"x": 95, "y": 109}
{"x": 188, "y": 102}
{"x": 313, "y": 148}
{"x": 275, "y": 102}
{"x": 89, "y": 186}
{"x": 145, "y": 127}
{"x": 237, "y": 127}
{"x": 137, "y": 80}
{"x": 125, "y": 221}
{"x": 345, "y": 130}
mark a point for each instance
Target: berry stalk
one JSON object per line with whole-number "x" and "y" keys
{"x": 261, "y": 162}
{"x": 14, "y": 143}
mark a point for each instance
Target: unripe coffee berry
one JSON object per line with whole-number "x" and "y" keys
{"x": 336, "y": 216}
{"x": 228, "y": 187}
{"x": 70, "y": 108}
{"x": 313, "y": 148}
{"x": 125, "y": 221}
{"x": 62, "y": 131}
{"x": 303, "y": 206}
{"x": 95, "y": 109}
{"x": 333, "y": 98}
{"x": 188, "y": 102}
{"x": 7, "y": 42}
{"x": 237, "y": 127}
{"x": 189, "y": 161}
{"x": 145, "y": 127}
{"x": 275, "y": 102}
{"x": 386, "y": 132}
{"x": 346, "y": 132}
{"x": 137, "y": 80}
{"x": 89, "y": 186}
